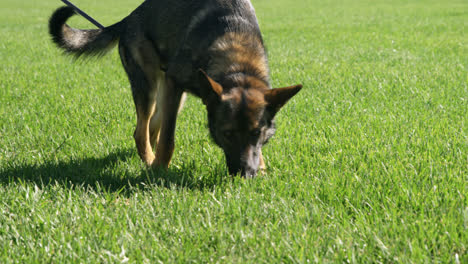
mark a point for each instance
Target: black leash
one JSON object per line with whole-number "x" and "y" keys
{"x": 81, "y": 12}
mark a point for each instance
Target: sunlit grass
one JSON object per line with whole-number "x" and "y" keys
{"x": 369, "y": 163}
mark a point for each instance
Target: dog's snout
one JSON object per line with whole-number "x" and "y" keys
{"x": 244, "y": 172}
{"x": 248, "y": 173}
{"x": 243, "y": 169}
{"x": 246, "y": 164}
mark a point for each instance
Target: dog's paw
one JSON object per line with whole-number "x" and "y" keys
{"x": 157, "y": 164}
{"x": 148, "y": 159}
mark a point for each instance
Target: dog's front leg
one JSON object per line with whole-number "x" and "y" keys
{"x": 171, "y": 101}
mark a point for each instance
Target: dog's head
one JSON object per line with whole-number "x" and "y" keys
{"x": 241, "y": 119}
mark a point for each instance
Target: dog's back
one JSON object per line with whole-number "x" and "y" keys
{"x": 194, "y": 22}
{"x": 187, "y": 33}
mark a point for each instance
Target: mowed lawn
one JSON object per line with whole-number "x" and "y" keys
{"x": 369, "y": 163}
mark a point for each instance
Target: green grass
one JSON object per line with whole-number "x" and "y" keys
{"x": 369, "y": 163}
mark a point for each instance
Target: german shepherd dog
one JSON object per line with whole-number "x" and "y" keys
{"x": 212, "y": 49}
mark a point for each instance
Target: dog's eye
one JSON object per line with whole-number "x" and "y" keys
{"x": 255, "y": 134}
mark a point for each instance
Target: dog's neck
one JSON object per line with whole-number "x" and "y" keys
{"x": 239, "y": 60}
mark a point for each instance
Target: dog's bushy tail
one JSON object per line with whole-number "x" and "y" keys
{"x": 94, "y": 42}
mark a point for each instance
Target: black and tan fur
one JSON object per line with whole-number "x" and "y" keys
{"x": 212, "y": 49}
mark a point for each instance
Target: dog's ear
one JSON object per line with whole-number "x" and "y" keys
{"x": 209, "y": 88}
{"x": 276, "y": 98}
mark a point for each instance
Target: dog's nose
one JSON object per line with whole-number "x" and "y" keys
{"x": 248, "y": 173}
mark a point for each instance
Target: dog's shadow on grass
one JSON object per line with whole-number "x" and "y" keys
{"x": 101, "y": 174}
